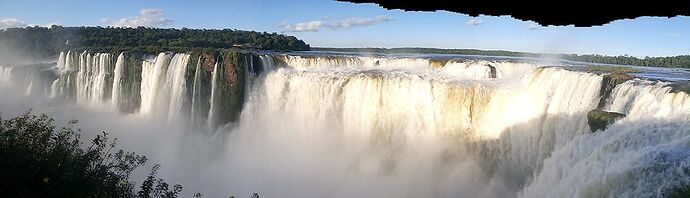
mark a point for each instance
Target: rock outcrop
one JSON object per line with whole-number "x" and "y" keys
{"x": 682, "y": 86}
{"x": 608, "y": 83}
{"x": 598, "y": 119}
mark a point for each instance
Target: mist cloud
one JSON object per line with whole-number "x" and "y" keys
{"x": 313, "y": 26}
{"x": 146, "y": 18}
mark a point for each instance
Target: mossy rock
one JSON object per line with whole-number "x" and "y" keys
{"x": 598, "y": 119}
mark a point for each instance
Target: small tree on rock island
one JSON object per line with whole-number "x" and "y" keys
{"x": 39, "y": 160}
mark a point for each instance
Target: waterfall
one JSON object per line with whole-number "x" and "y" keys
{"x": 29, "y": 89}
{"x": 267, "y": 63}
{"x": 152, "y": 78}
{"x": 118, "y": 80}
{"x": 545, "y": 110}
{"x": 643, "y": 155}
{"x": 175, "y": 86}
{"x": 5, "y": 75}
{"x": 64, "y": 85}
{"x": 461, "y": 68}
{"x": 61, "y": 60}
{"x": 93, "y": 78}
{"x": 163, "y": 88}
{"x": 196, "y": 109}
{"x": 400, "y": 126}
{"x": 99, "y": 79}
{"x": 214, "y": 93}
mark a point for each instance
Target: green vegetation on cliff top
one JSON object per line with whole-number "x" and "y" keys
{"x": 613, "y": 69}
{"x": 47, "y": 42}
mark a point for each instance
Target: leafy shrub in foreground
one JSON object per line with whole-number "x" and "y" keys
{"x": 39, "y": 160}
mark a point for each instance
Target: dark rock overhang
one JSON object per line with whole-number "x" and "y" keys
{"x": 584, "y": 13}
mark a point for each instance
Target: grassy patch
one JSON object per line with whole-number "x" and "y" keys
{"x": 613, "y": 69}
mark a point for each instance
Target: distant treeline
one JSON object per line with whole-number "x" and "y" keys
{"x": 48, "y": 41}
{"x": 673, "y": 61}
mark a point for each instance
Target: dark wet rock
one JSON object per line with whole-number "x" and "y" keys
{"x": 598, "y": 119}
{"x": 492, "y": 72}
{"x": 682, "y": 86}
{"x": 438, "y": 63}
{"x": 608, "y": 83}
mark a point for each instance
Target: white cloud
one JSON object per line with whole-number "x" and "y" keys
{"x": 11, "y": 23}
{"x": 146, "y": 18}
{"x": 358, "y": 21}
{"x": 533, "y": 27}
{"x": 310, "y": 26}
{"x": 313, "y": 26}
{"x": 16, "y": 23}
{"x": 474, "y": 22}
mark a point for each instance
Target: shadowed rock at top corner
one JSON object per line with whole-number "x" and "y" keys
{"x": 579, "y": 13}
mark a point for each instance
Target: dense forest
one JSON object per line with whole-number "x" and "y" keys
{"x": 47, "y": 41}
{"x": 673, "y": 61}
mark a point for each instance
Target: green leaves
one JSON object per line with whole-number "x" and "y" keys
{"x": 42, "y": 42}
{"x": 38, "y": 160}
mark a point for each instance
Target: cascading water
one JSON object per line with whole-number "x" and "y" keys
{"x": 214, "y": 93}
{"x": 400, "y": 127}
{"x": 94, "y": 78}
{"x": 643, "y": 155}
{"x": 175, "y": 84}
{"x": 163, "y": 85}
{"x": 461, "y": 68}
{"x": 267, "y": 62}
{"x": 5, "y": 75}
{"x": 199, "y": 104}
{"x": 152, "y": 79}
{"x": 98, "y": 79}
{"x": 118, "y": 80}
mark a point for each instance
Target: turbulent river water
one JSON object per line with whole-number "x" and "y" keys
{"x": 333, "y": 125}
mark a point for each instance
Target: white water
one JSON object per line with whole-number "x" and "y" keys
{"x": 5, "y": 76}
{"x": 117, "y": 80}
{"x": 268, "y": 63}
{"x": 195, "y": 109}
{"x": 92, "y": 77}
{"x": 174, "y": 88}
{"x": 214, "y": 85}
{"x": 163, "y": 84}
{"x": 465, "y": 69}
{"x": 323, "y": 127}
{"x": 152, "y": 78}
{"x": 395, "y": 134}
{"x": 641, "y": 155}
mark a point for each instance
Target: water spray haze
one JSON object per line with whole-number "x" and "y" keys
{"x": 375, "y": 126}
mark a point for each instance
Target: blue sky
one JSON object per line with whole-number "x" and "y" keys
{"x": 336, "y": 24}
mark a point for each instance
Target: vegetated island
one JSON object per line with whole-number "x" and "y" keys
{"x": 682, "y": 61}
